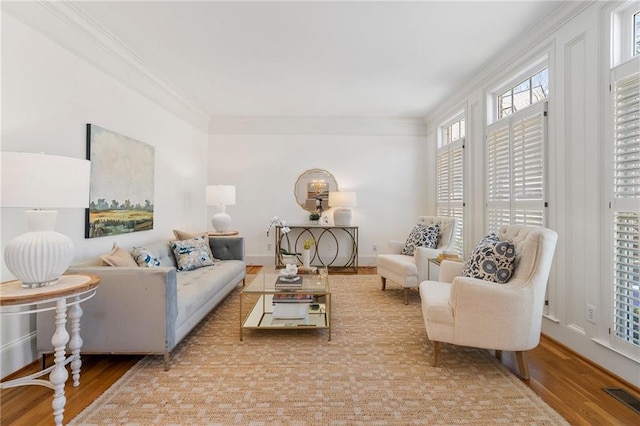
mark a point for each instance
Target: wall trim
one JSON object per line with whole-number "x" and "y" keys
{"x": 68, "y": 26}
{"x": 317, "y": 126}
{"x": 16, "y": 353}
{"x": 530, "y": 41}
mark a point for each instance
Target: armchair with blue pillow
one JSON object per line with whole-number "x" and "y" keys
{"x": 407, "y": 262}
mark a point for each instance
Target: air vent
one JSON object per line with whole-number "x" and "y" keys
{"x": 625, "y": 397}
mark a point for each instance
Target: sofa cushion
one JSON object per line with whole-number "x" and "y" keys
{"x": 422, "y": 236}
{"x": 196, "y": 287}
{"x": 118, "y": 257}
{"x": 183, "y": 235}
{"x": 144, "y": 257}
{"x": 491, "y": 260}
{"x": 193, "y": 253}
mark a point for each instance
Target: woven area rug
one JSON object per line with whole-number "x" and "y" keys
{"x": 375, "y": 370}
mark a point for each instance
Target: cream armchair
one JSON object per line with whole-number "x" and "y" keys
{"x": 472, "y": 312}
{"x": 409, "y": 271}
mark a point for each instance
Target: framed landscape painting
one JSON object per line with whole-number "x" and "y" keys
{"x": 122, "y": 177}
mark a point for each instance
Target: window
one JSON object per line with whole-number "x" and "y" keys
{"x": 625, "y": 32}
{"x": 528, "y": 92}
{"x": 626, "y": 207}
{"x": 449, "y": 175}
{"x": 516, "y": 150}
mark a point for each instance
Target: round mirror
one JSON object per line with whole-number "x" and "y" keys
{"x": 312, "y": 190}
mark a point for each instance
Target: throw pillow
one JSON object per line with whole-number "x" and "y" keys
{"x": 422, "y": 236}
{"x": 192, "y": 253}
{"x": 118, "y": 257}
{"x": 182, "y": 235}
{"x": 144, "y": 257}
{"x": 491, "y": 260}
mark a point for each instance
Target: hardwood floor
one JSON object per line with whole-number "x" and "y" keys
{"x": 565, "y": 381}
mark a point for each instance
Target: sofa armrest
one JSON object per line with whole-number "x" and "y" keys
{"x": 134, "y": 311}
{"x": 449, "y": 270}
{"x": 227, "y": 248}
{"x": 421, "y": 257}
{"x": 514, "y": 326}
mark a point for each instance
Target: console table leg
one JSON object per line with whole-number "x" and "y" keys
{"x": 75, "y": 343}
{"x": 59, "y": 375}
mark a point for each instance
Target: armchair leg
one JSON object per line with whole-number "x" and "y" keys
{"x": 436, "y": 353}
{"x": 521, "y": 356}
{"x": 384, "y": 282}
{"x": 498, "y": 355}
{"x": 406, "y": 295}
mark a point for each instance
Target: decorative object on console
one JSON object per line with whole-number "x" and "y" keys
{"x": 306, "y": 253}
{"x": 221, "y": 196}
{"x": 314, "y": 217}
{"x": 122, "y": 184}
{"x": 341, "y": 201}
{"x": 276, "y": 221}
{"x": 40, "y": 256}
{"x": 312, "y": 189}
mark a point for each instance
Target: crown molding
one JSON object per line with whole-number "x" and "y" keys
{"x": 532, "y": 39}
{"x": 317, "y": 126}
{"x": 65, "y": 24}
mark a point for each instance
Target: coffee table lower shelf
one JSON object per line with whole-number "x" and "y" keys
{"x": 261, "y": 317}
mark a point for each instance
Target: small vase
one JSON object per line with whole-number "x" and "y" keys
{"x": 306, "y": 258}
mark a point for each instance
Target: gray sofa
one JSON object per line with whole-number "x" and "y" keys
{"x": 140, "y": 310}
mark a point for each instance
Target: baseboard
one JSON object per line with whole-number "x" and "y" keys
{"x": 17, "y": 354}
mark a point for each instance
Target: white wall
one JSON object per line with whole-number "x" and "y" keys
{"x": 387, "y": 172}
{"x": 577, "y": 152}
{"x": 48, "y": 95}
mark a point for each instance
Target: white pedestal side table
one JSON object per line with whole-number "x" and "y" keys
{"x": 70, "y": 291}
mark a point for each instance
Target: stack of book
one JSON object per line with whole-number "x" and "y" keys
{"x": 294, "y": 282}
{"x": 291, "y": 305}
{"x": 449, "y": 256}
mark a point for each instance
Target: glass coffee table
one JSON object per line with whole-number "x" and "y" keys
{"x": 313, "y": 293}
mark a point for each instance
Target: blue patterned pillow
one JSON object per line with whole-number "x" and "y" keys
{"x": 144, "y": 257}
{"x": 193, "y": 253}
{"x": 491, "y": 260}
{"x": 422, "y": 236}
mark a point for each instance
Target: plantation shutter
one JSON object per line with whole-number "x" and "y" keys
{"x": 626, "y": 208}
{"x": 498, "y": 176}
{"x": 450, "y": 186}
{"x": 516, "y": 169}
{"x": 528, "y": 168}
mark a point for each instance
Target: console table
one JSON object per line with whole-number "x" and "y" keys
{"x": 330, "y": 243}
{"x": 69, "y": 291}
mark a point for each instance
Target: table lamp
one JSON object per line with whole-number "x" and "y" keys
{"x": 42, "y": 182}
{"x": 341, "y": 201}
{"x": 221, "y": 196}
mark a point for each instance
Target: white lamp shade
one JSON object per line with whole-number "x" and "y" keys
{"x": 40, "y": 256}
{"x": 44, "y": 181}
{"x": 342, "y": 199}
{"x": 221, "y": 195}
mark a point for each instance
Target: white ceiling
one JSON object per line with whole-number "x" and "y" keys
{"x": 316, "y": 59}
